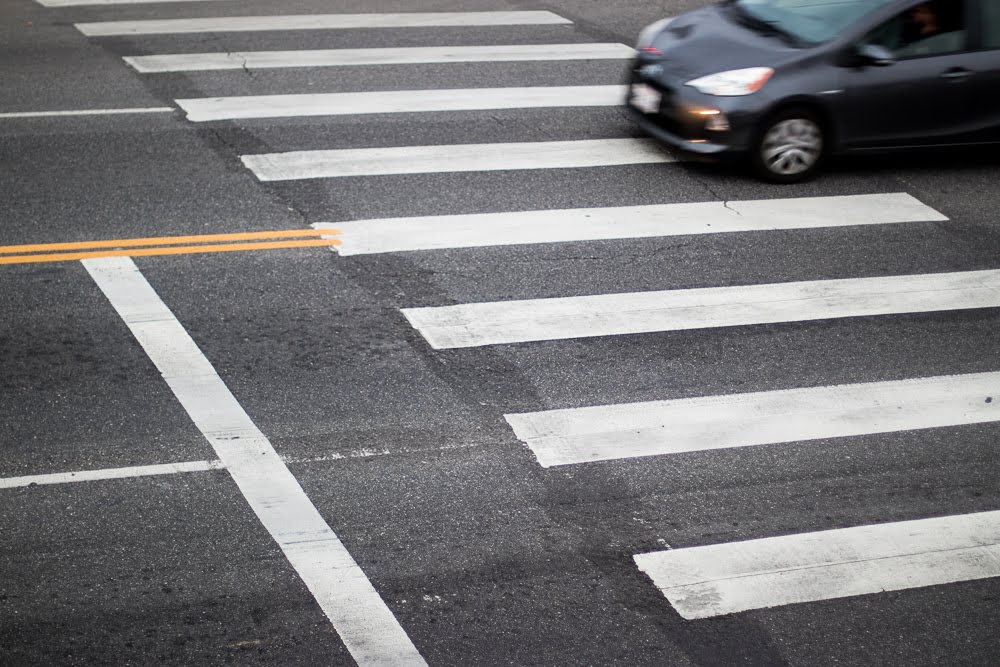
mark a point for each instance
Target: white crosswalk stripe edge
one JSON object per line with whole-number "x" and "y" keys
{"x": 318, "y": 22}
{"x": 494, "y": 323}
{"x": 631, "y": 430}
{"x": 713, "y": 580}
{"x": 399, "y": 101}
{"x": 454, "y": 158}
{"x": 362, "y": 237}
{"x": 251, "y": 60}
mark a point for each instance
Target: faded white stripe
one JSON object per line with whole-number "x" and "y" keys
{"x": 594, "y": 224}
{"x": 253, "y": 60}
{"x": 318, "y": 22}
{"x": 701, "y": 582}
{"x": 494, "y": 323}
{"x": 109, "y": 473}
{"x": 453, "y": 158}
{"x": 84, "y": 112}
{"x": 399, "y": 101}
{"x": 366, "y": 626}
{"x": 608, "y": 432}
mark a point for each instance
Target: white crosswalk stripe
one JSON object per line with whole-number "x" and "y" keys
{"x": 493, "y": 323}
{"x": 254, "y": 60}
{"x": 399, "y": 101}
{"x": 718, "y": 579}
{"x": 454, "y": 158}
{"x": 362, "y": 237}
{"x": 317, "y": 22}
{"x": 608, "y": 432}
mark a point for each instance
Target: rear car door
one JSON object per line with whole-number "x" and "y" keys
{"x": 984, "y": 86}
{"x": 922, "y": 97}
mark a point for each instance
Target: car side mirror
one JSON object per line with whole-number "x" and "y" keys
{"x": 875, "y": 55}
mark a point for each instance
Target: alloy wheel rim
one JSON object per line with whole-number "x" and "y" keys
{"x": 792, "y": 146}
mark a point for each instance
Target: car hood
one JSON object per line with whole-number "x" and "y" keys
{"x": 710, "y": 40}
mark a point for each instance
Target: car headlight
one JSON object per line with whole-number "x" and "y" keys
{"x": 650, "y": 32}
{"x": 734, "y": 82}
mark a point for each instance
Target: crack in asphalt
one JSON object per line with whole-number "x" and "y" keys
{"x": 708, "y": 188}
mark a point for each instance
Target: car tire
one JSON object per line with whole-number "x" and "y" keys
{"x": 790, "y": 147}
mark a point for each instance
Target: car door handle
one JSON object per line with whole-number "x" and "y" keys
{"x": 957, "y": 74}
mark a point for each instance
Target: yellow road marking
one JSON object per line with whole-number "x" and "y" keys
{"x": 171, "y": 250}
{"x": 164, "y": 240}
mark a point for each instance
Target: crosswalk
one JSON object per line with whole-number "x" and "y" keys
{"x": 698, "y": 581}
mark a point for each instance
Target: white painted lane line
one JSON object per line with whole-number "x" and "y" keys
{"x": 702, "y": 582}
{"x": 109, "y": 473}
{"x": 494, "y": 323}
{"x": 594, "y": 224}
{"x": 454, "y": 158}
{"x": 366, "y": 626}
{"x": 253, "y": 60}
{"x": 84, "y": 3}
{"x": 608, "y": 432}
{"x": 399, "y": 101}
{"x": 318, "y": 22}
{"x": 85, "y": 112}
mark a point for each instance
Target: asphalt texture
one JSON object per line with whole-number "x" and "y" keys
{"x": 483, "y": 556}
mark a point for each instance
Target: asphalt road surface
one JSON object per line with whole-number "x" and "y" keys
{"x": 473, "y": 377}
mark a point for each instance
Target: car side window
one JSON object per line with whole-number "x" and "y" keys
{"x": 991, "y": 23}
{"x": 931, "y": 28}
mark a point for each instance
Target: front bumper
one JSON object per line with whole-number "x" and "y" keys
{"x": 656, "y": 130}
{"x": 679, "y": 121}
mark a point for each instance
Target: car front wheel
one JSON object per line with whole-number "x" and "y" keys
{"x": 790, "y": 147}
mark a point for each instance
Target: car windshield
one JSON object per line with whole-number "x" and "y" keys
{"x": 808, "y": 21}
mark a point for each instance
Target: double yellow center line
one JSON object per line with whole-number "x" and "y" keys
{"x": 167, "y": 245}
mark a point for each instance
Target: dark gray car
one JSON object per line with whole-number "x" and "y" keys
{"x": 788, "y": 82}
